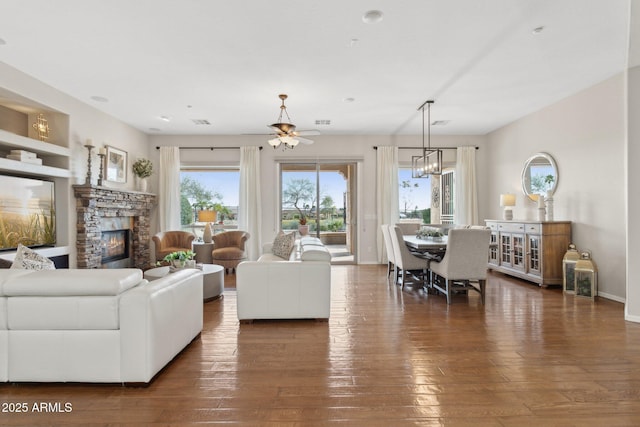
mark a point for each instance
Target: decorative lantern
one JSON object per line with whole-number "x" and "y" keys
{"x": 568, "y": 269}
{"x": 586, "y": 274}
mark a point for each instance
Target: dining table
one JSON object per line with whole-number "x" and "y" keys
{"x": 425, "y": 245}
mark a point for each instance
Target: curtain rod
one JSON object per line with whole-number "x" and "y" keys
{"x": 208, "y": 148}
{"x": 375, "y": 147}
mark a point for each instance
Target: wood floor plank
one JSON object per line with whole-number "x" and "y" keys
{"x": 386, "y": 357}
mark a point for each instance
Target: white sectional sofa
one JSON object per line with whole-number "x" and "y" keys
{"x": 104, "y": 326}
{"x": 276, "y": 288}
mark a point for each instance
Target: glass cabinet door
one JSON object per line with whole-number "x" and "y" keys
{"x": 534, "y": 251}
{"x": 493, "y": 249}
{"x": 518, "y": 251}
{"x": 505, "y": 250}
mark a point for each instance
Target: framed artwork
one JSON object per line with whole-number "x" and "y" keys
{"x": 116, "y": 164}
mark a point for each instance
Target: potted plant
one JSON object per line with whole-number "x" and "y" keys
{"x": 303, "y": 228}
{"x": 142, "y": 169}
{"x": 181, "y": 259}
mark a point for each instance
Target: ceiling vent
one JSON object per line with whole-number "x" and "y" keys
{"x": 323, "y": 122}
{"x": 201, "y": 121}
{"x": 440, "y": 122}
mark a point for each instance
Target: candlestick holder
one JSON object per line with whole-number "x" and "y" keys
{"x": 88, "y": 179}
{"x": 100, "y": 176}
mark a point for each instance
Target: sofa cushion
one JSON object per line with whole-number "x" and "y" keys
{"x": 315, "y": 253}
{"x": 72, "y": 282}
{"x": 62, "y": 313}
{"x": 310, "y": 241}
{"x": 283, "y": 244}
{"x": 29, "y": 259}
{"x": 229, "y": 253}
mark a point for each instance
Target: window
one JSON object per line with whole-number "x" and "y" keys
{"x": 208, "y": 195}
{"x": 414, "y": 196}
{"x": 419, "y": 200}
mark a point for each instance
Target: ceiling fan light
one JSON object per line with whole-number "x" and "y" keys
{"x": 275, "y": 142}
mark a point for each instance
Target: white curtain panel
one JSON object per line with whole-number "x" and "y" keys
{"x": 387, "y": 205}
{"x": 250, "y": 203}
{"x": 169, "y": 197}
{"x": 466, "y": 187}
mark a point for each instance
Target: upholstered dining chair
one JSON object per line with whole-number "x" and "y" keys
{"x": 391, "y": 260}
{"x": 228, "y": 249}
{"x": 406, "y": 263}
{"x": 464, "y": 263}
{"x": 172, "y": 241}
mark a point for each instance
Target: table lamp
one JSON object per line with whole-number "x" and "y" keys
{"x": 508, "y": 201}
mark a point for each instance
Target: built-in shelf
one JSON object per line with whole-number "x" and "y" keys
{"x": 8, "y": 165}
{"x": 19, "y": 142}
{"x": 12, "y": 141}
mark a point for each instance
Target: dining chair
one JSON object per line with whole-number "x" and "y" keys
{"x": 464, "y": 263}
{"x": 407, "y": 264}
{"x": 391, "y": 261}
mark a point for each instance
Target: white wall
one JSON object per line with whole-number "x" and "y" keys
{"x": 84, "y": 122}
{"x": 585, "y": 133}
{"x": 326, "y": 147}
{"x": 632, "y": 309}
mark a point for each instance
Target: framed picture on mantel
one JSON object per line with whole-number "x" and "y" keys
{"x": 116, "y": 164}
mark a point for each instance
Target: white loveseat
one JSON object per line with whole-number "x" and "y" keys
{"x": 294, "y": 288}
{"x": 105, "y": 326}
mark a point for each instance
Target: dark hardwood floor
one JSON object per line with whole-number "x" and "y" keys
{"x": 529, "y": 357}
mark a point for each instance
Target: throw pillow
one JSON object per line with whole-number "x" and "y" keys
{"x": 283, "y": 244}
{"x": 27, "y": 259}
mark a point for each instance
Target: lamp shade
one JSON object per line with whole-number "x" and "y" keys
{"x": 507, "y": 199}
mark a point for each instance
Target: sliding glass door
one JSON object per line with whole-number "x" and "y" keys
{"x": 322, "y": 194}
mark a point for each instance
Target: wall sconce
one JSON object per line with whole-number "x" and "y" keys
{"x": 508, "y": 201}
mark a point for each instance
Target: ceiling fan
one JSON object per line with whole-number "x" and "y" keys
{"x": 285, "y": 132}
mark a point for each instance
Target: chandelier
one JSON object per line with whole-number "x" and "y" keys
{"x": 430, "y": 162}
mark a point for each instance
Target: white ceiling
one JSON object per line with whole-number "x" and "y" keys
{"x": 227, "y": 61}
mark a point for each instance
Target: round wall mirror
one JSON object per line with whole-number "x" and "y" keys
{"x": 539, "y": 176}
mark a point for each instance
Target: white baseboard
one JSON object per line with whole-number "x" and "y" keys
{"x": 612, "y": 297}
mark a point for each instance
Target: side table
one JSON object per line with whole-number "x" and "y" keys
{"x": 203, "y": 252}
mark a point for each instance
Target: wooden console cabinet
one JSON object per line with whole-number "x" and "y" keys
{"x": 530, "y": 250}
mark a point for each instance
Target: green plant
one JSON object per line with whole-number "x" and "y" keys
{"x": 425, "y": 232}
{"x": 179, "y": 256}
{"x": 143, "y": 168}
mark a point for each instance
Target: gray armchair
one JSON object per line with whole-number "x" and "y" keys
{"x": 391, "y": 261}
{"x": 406, "y": 263}
{"x": 464, "y": 263}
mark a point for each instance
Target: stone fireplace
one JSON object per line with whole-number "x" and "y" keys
{"x": 113, "y": 227}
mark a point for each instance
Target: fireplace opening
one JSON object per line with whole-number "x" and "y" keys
{"x": 115, "y": 245}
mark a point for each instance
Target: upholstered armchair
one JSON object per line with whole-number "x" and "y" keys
{"x": 391, "y": 259}
{"x": 172, "y": 241}
{"x": 406, "y": 263}
{"x": 464, "y": 265}
{"x": 228, "y": 249}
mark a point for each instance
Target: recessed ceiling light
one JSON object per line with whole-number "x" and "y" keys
{"x": 201, "y": 121}
{"x": 348, "y": 99}
{"x": 165, "y": 118}
{"x": 353, "y": 42}
{"x": 372, "y": 17}
{"x": 537, "y": 30}
{"x": 99, "y": 98}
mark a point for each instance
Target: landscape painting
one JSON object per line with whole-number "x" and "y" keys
{"x": 27, "y": 212}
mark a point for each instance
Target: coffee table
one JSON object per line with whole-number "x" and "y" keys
{"x": 212, "y": 284}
